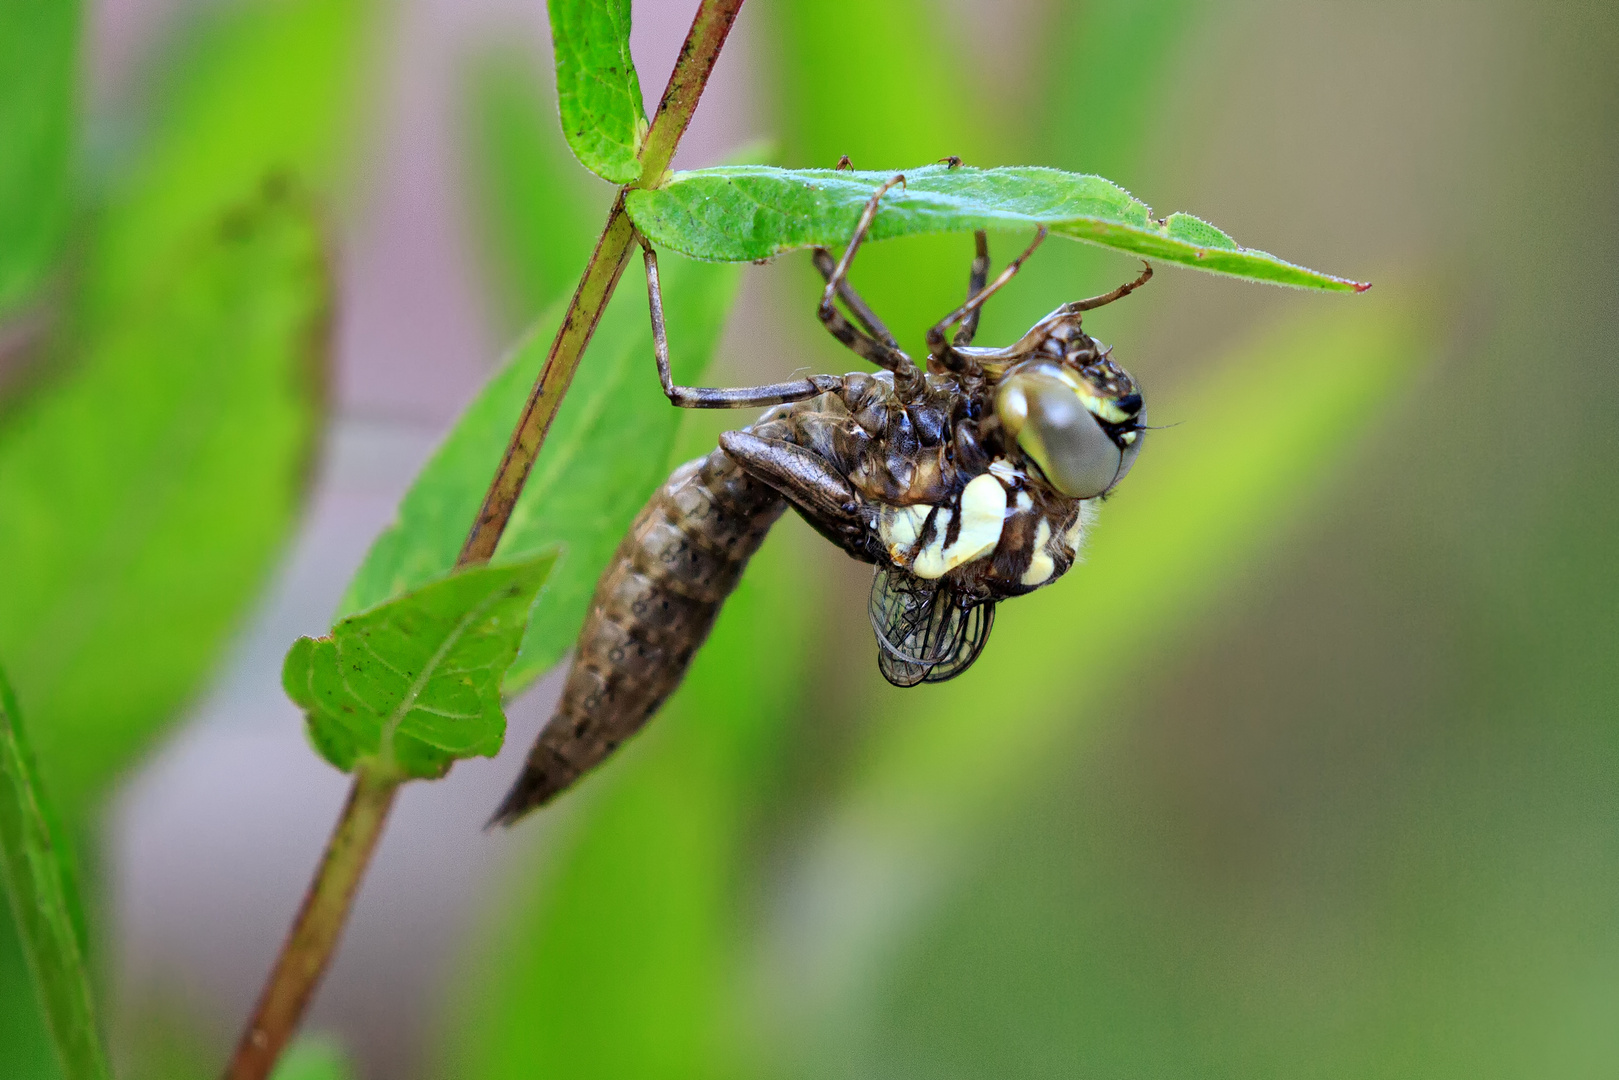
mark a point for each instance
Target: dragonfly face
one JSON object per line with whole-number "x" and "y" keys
{"x": 1080, "y": 425}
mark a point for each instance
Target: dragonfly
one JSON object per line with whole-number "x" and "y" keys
{"x": 965, "y": 482}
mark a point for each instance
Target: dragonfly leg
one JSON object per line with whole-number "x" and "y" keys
{"x": 714, "y": 397}
{"x": 939, "y": 348}
{"x": 1075, "y": 307}
{"x": 871, "y": 339}
{"x": 976, "y": 278}
{"x": 868, "y": 320}
{"x": 1042, "y": 330}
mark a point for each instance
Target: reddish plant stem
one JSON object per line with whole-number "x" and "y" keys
{"x": 310, "y": 944}
{"x": 695, "y": 64}
{"x": 312, "y": 940}
{"x": 601, "y": 276}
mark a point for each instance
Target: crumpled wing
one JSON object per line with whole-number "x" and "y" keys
{"x": 924, "y": 631}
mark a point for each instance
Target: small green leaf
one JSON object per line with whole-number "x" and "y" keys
{"x": 45, "y": 901}
{"x": 144, "y": 494}
{"x": 414, "y": 684}
{"x": 38, "y": 79}
{"x": 598, "y": 93}
{"x": 607, "y": 451}
{"x": 738, "y": 213}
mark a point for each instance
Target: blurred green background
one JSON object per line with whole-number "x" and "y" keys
{"x": 1309, "y": 770}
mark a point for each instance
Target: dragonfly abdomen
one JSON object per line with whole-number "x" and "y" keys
{"x": 654, "y": 605}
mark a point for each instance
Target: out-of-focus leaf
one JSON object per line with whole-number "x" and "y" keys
{"x": 313, "y": 1059}
{"x": 413, "y": 685}
{"x": 538, "y": 213}
{"x": 743, "y": 212}
{"x": 45, "y": 903}
{"x": 143, "y": 496}
{"x": 25, "y": 1043}
{"x": 267, "y": 87}
{"x": 606, "y": 452}
{"x": 598, "y": 93}
{"x": 1098, "y": 114}
{"x": 1203, "y": 500}
{"x": 147, "y": 483}
{"x": 887, "y": 75}
{"x": 620, "y": 963}
{"x": 38, "y": 79}
{"x": 1102, "y": 116}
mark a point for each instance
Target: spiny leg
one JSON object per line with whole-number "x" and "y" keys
{"x": 827, "y": 265}
{"x": 861, "y": 228}
{"x": 861, "y": 311}
{"x": 941, "y": 349}
{"x": 1039, "y": 332}
{"x": 712, "y": 397}
{"x": 877, "y": 344}
{"x": 1075, "y": 307}
{"x": 975, "y": 285}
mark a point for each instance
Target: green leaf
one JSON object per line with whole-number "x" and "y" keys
{"x": 45, "y": 902}
{"x": 743, "y": 212}
{"x": 38, "y": 82}
{"x": 598, "y": 93}
{"x": 144, "y": 495}
{"x": 413, "y": 685}
{"x": 607, "y": 451}
{"x": 266, "y": 88}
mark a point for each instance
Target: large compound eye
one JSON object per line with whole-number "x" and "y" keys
{"x": 1052, "y": 424}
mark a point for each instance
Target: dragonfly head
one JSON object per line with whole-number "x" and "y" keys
{"x": 1078, "y": 417}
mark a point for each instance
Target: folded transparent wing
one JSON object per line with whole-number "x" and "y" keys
{"x": 926, "y": 632}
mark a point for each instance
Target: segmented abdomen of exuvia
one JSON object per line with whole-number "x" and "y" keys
{"x": 653, "y": 607}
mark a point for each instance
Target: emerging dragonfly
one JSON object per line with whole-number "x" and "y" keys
{"x": 965, "y": 485}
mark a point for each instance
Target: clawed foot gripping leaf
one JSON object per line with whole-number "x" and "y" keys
{"x": 746, "y": 212}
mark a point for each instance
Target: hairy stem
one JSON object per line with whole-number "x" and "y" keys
{"x": 309, "y": 946}
{"x": 313, "y": 939}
